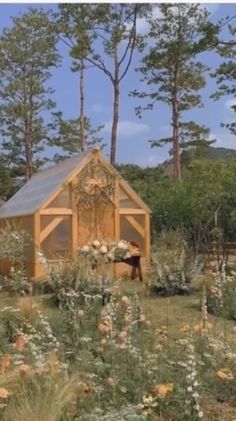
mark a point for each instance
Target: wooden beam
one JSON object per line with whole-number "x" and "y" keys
{"x": 147, "y": 238}
{"x": 36, "y": 242}
{"x": 136, "y": 225}
{"x": 131, "y": 211}
{"x": 50, "y": 227}
{"x": 74, "y": 219}
{"x": 56, "y": 211}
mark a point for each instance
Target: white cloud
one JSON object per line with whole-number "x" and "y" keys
{"x": 127, "y": 128}
{"x": 229, "y": 103}
{"x": 98, "y": 108}
{"x": 223, "y": 140}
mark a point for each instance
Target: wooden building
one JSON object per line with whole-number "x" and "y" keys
{"x": 75, "y": 202}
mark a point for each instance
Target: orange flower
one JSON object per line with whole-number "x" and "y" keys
{"x": 6, "y": 360}
{"x": 225, "y": 374}
{"x": 161, "y": 390}
{"x": 20, "y": 342}
{"x": 24, "y": 369}
{"x": 4, "y": 393}
{"x": 103, "y": 328}
{"x": 198, "y": 328}
{"x": 148, "y": 323}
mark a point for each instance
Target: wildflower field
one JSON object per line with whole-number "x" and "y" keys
{"x": 80, "y": 345}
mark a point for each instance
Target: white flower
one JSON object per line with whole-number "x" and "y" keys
{"x": 103, "y": 249}
{"x": 122, "y": 245}
{"x": 127, "y": 255}
{"x": 96, "y": 243}
{"x": 200, "y": 414}
{"x": 85, "y": 249}
{"x": 189, "y": 389}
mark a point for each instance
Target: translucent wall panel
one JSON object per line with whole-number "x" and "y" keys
{"x": 129, "y": 233}
{"x": 125, "y": 201}
{"x": 58, "y": 242}
{"x": 62, "y": 200}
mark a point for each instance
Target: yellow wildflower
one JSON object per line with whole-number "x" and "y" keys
{"x": 225, "y": 374}
{"x": 6, "y": 360}
{"x": 4, "y": 393}
{"x": 161, "y": 390}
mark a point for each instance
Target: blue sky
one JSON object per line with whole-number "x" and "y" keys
{"x": 133, "y": 133}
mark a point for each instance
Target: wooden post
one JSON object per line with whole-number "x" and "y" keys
{"x": 36, "y": 243}
{"x": 74, "y": 220}
{"x": 116, "y": 217}
{"x": 147, "y": 238}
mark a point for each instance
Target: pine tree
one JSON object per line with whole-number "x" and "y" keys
{"x": 67, "y": 136}
{"x": 112, "y": 29}
{"x": 226, "y": 74}
{"x": 171, "y": 70}
{"x": 27, "y": 53}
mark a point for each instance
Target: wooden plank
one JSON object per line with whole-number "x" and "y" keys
{"x": 36, "y": 242}
{"x": 56, "y": 211}
{"x": 147, "y": 238}
{"x": 131, "y": 211}
{"x": 50, "y": 227}
{"x": 136, "y": 225}
{"x": 74, "y": 219}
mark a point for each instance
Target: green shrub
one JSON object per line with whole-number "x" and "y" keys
{"x": 172, "y": 264}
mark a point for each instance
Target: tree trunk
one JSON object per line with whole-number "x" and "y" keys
{"x": 28, "y": 150}
{"x": 176, "y": 145}
{"x": 82, "y": 139}
{"x": 116, "y": 100}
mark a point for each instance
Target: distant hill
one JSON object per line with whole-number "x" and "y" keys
{"x": 211, "y": 153}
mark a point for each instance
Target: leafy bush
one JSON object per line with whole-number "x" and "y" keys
{"x": 13, "y": 244}
{"x": 13, "y": 241}
{"x": 172, "y": 264}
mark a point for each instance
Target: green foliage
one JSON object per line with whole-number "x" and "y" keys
{"x": 68, "y": 136}
{"x": 226, "y": 75}
{"x": 206, "y": 191}
{"x": 28, "y": 52}
{"x": 172, "y": 72}
{"x": 13, "y": 241}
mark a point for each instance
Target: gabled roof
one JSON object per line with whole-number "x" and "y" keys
{"x": 40, "y": 187}
{"x": 45, "y": 183}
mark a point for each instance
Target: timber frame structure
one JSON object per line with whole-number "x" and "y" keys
{"x": 81, "y": 199}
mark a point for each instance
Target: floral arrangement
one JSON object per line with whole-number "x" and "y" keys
{"x": 105, "y": 252}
